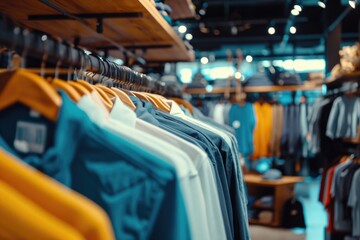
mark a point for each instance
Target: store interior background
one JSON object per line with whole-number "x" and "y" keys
{"x": 235, "y": 39}
{"x": 301, "y": 36}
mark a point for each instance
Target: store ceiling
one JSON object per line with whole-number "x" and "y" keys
{"x": 243, "y": 24}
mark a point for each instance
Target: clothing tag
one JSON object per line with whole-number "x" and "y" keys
{"x": 34, "y": 114}
{"x": 30, "y": 137}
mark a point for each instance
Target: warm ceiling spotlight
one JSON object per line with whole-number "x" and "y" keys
{"x": 249, "y": 58}
{"x": 295, "y": 12}
{"x": 322, "y": 4}
{"x": 182, "y": 29}
{"x": 271, "y": 30}
{"x": 352, "y": 3}
{"x": 189, "y": 36}
{"x": 292, "y": 30}
{"x": 298, "y": 7}
{"x": 204, "y": 60}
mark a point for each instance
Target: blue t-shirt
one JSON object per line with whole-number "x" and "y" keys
{"x": 242, "y": 119}
{"x": 139, "y": 191}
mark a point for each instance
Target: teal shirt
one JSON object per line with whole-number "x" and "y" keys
{"x": 139, "y": 191}
{"x": 242, "y": 119}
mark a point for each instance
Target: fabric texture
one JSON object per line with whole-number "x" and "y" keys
{"x": 344, "y": 118}
{"x": 262, "y": 131}
{"x": 242, "y": 119}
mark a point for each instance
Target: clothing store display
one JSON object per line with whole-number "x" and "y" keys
{"x": 344, "y": 118}
{"x": 143, "y": 120}
{"x": 184, "y": 186}
{"x": 354, "y": 203}
{"x": 272, "y": 174}
{"x": 242, "y": 119}
{"x": 262, "y": 132}
{"x": 258, "y": 79}
{"x": 277, "y": 129}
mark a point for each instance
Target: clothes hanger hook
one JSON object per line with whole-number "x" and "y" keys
{"x": 44, "y": 39}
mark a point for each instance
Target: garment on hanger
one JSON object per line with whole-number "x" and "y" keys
{"x": 67, "y": 206}
{"x": 186, "y": 171}
{"x": 242, "y": 119}
{"x": 17, "y": 219}
{"x": 262, "y": 132}
{"x": 183, "y": 128}
{"x": 277, "y": 129}
{"x": 344, "y": 118}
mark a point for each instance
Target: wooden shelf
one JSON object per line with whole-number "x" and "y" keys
{"x": 181, "y": 9}
{"x": 259, "y": 206}
{"x": 150, "y": 31}
{"x": 258, "y": 222}
{"x": 351, "y": 140}
{"x": 257, "y": 89}
{"x": 339, "y": 80}
{"x": 252, "y": 179}
{"x": 283, "y": 190}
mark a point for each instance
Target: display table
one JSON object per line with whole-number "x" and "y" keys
{"x": 282, "y": 190}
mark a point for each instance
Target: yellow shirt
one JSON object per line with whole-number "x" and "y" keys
{"x": 22, "y": 219}
{"x": 263, "y": 130}
{"x": 68, "y": 206}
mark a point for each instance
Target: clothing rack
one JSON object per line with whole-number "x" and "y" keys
{"x": 54, "y": 51}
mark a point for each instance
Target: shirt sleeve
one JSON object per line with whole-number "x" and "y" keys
{"x": 332, "y": 122}
{"x": 354, "y": 192}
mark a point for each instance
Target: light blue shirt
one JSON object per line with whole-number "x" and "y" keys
{"x": 344, "y": 118}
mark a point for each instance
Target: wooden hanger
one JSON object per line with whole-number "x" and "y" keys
{"x": 124, "y": 98}
{"x": 107, "y": 102}
{"x": 145, "y": 97}
{"x": 30, "y": 90}
{"x": 86, "y": 85}
{"x": 80, "y": 89}
{"x": 163, "y": 105}
{"x": 186, "y": 104}
{"x": 108, "y": 91}
{"x": 129, "y": 93}
{"x": 70, "y": 91}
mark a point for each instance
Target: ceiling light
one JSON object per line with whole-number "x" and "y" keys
{"x": 204, "y": 60}
{"x": 249, "y": 58}
{"x": 238, "y": 75}
{"x": 298, "y": 8}
{"x": 292, "y": 30}
{"x": 271, "y": 30}
{"x": 182, "y": 29}
{"x": 322, "y": 4}
{"x": 352, "y": 3}
{"x": 295, "y": 12}
{"x": 189, "y": 36}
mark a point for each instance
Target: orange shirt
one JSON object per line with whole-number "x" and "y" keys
{"x": 68, "y": 206}
{"x": 22, "y": 219}
{"x": 263, "y": 130}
